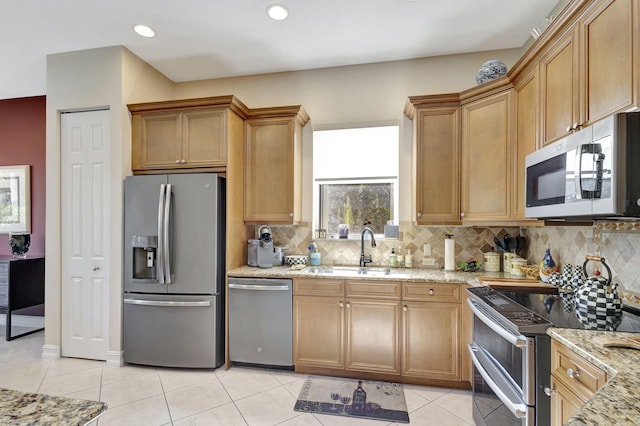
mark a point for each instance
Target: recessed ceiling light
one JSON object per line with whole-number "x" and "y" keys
{"x": 277, "y": 12}
{"x": 144, "y": 31}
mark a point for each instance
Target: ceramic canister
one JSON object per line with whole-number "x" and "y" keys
{"x": 492, "y": 261}
{"x": 506, "y": 261}
{"x": 516, "y": 263}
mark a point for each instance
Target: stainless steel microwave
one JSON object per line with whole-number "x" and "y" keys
{"x": 593, "y": 173}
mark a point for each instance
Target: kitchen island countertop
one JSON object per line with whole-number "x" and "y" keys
{"x": 617, "y": 403}
{"x": 22, "y": 408}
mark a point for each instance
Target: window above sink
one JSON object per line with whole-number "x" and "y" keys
{"x": 355, "y": 179}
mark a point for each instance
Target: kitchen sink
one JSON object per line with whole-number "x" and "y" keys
{"x": 353, "y": 271}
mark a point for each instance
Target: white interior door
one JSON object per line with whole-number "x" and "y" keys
{"x": 85, "y": 230}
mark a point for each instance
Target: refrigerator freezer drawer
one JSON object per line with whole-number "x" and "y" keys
{"x": 173, "y": 331}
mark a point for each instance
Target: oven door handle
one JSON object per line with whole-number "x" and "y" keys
{"x": 517, "y": 408}
{"x": 518, "y": 341}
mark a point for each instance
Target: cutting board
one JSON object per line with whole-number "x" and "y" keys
{"x": 518, "y": 283}
{"x": 618, "y": 342}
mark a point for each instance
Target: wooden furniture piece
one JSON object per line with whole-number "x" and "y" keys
{"x": 273, "y": 165}
{"x": 400, "y": 331}
{"x": 436, "y": 158}
{"x": 21, "y": 286}
{"x": 574, "y": 380}
{"x": 185, "y": 135}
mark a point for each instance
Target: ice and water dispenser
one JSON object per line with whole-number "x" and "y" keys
{"x": 144, "y": 257}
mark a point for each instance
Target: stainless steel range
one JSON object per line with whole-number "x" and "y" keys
{"x": 511, "y": 353}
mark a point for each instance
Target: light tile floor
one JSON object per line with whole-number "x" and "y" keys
{"x": 160, "y": 396}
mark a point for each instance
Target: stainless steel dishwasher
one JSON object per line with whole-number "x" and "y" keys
{"x": 261, "y": 321}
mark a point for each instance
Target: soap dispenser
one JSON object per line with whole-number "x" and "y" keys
{"x": 393, "y": 259}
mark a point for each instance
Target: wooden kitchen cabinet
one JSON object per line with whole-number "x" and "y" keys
{"x": 273, "y": 165}
{"x": 432, "y": 332}
{"x": 353, "y": 326}
{"x": 318, "y": 323}
{"x": 589, "y": 73}
{"x": 436, "y": 158}
{"x": 487, "y": 166}
{"x": 526, "y": 137}
{"x": 574, "y": 380}
{"x": 185, "y": 134}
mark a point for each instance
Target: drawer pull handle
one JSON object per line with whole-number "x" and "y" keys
{"x": 431, "y": 292}
{"x": 573, "y": 373}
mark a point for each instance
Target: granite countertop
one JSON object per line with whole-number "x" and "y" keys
{"x": 20, "y": 408}
{"x": 404, "y": 274}
{"x": 617, "y": 402}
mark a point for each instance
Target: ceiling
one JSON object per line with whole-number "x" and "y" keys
{"x": 202, "y": 39}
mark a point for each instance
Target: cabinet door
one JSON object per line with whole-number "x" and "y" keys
{"x": 204, "y": 141}
{"x": 157, "y": 141}
{"x": 270, "y": 170}
{"x": 560, "y": 93}
{"x": 318, "y": 324}
{"x": 486, "y": 158}
{"x": 437, "y": 168}
{"x": 526, "y": 99}
{"x": 431, "y": 340}
{"x": 564, "y": 403}
{"x": 609, "y": 46}
{"x": 373, "y": 336}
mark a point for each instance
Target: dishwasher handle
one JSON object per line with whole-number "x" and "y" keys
{"x": 259, "y": 287}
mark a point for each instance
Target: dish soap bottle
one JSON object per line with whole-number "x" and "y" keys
{"x": 393, "y": 259}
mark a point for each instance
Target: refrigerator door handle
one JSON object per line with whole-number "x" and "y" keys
{"x": 160, "y": 254}
{"x": 166, "y": 303}
{"x": 167, "y": 245}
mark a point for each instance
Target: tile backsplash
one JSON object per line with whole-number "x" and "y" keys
{"x": 617, "y": 242}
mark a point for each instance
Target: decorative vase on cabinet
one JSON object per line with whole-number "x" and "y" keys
{"x": 491, "y": 70}
{"x": 19, "y": 244}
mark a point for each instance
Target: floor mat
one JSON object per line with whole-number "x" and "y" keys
{"x": 328, "y": 395}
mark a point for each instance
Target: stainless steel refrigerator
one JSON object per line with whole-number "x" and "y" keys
{"x": 174, "y": 236}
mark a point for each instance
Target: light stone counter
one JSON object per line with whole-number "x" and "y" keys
{"x": 618, "y": 402}
{"x": 395, "y": 274}
{"x": 21, "y": 408}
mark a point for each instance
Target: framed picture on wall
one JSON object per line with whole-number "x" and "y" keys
{"x": 15, "y": 199}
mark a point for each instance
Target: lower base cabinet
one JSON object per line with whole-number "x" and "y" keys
{"x": 409, "y": 332}
{"x": 574, "y": 380}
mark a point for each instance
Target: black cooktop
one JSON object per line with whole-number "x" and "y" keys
{"x": 533, "y": 313}
{"x": 559, "y": 311}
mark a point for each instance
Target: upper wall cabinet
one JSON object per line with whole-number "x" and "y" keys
{"x": 436, "y": 158}
{"x": 185, "y": 134}
{"x": 487, "y": 166}
{"x": 273, "y": 165}
{"x": 588, "y": 72}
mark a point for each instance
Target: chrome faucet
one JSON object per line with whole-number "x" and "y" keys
{"x": 365, "y": 260}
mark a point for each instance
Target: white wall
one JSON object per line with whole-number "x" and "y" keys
{"x": 91, "y": 79}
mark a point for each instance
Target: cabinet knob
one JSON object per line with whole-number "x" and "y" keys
{"x": 348, "y": 305}
{"x": 404, "y": 308}
{"x": 183, "y": 161}
{"x": 419, "y": 214}
{"x": 573, "y": 373}
{"x": 96, "y": 268}
{"x": 341, "y": 304}
{"x": 431, "y": 292}
{"x": 461, "y": 214}
{"x": 290, "y": 214}
{"x": 569, "y": 129}
{"x": 548, "y": 391}
{"x": 177, "y": 161}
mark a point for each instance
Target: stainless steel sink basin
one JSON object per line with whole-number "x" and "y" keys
{"x": 352, "y": 271}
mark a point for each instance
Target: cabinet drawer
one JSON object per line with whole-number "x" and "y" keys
{"x": 578, "y": 374}
{"x": 373, "y": 289}
{"x": 435, "y": 292}
{"x": 318, "y": 287}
